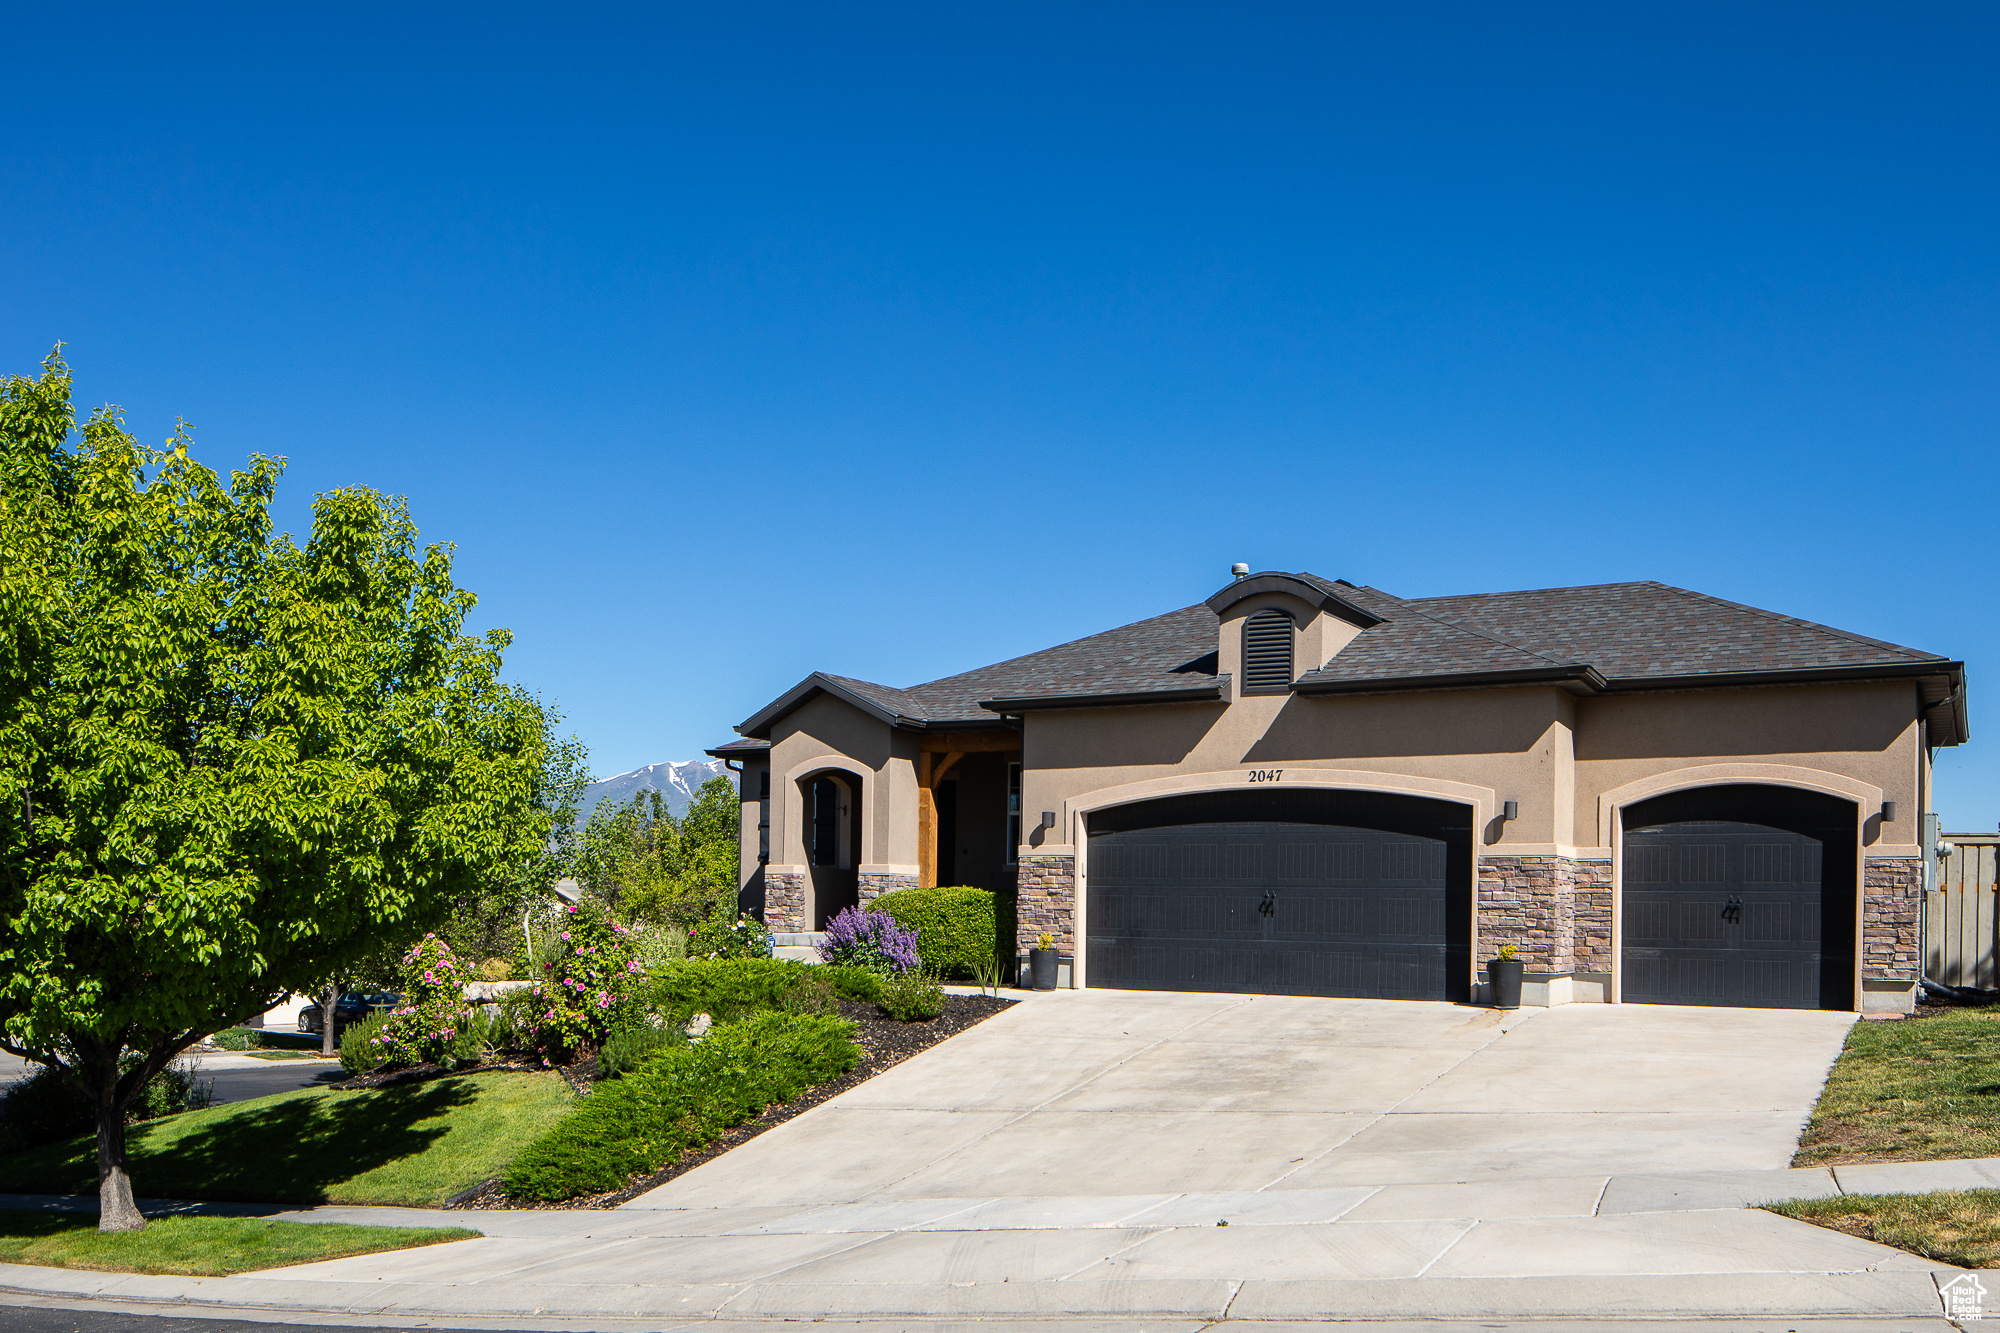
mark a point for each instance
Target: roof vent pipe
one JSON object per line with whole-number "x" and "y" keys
{"x": 1240, "y": 570}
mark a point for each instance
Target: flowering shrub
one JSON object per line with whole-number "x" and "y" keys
{"x": 861, "y": 938}
{"x": 434, "y": 1008}
{"x": 726, "y": 935}
{"x": 585, "y": 991}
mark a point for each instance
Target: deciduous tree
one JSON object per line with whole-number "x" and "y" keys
{"x": 231, "y": 765}
{"x": 653, "y": 866}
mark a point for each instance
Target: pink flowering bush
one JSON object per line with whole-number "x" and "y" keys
{"x": 434, "y": 1011}
{"x": 586, "y": 991}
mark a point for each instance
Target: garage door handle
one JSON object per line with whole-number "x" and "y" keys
{"x": 1732, "y": 911}
{"x": 1269, "y": 907}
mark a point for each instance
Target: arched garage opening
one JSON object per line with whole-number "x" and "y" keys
{"x": 1739, "y": 895}
{"x": 1302, "y": 892}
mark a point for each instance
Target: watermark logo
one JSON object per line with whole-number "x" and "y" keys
{"x": 1964, "y": 1297}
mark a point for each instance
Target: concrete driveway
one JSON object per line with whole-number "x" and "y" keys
{"x": 1125, "y": 1158}
{"x": 1111, "y": 1093}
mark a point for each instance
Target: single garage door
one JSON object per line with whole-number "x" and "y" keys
{"x": 1281, "y": 893}
{"x": 1737, "y": 896}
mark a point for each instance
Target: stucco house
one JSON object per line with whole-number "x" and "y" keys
{"x": 1301, "y": 786}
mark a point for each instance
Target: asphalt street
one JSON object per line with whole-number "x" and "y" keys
{"x": 238, "y": 1081}
{"x": 19, "y": 1320}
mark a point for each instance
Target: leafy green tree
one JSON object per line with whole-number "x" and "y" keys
{"x": 485, "y": 925}
{"x": 231, "y": 766}
{"x": 654, "y": 867}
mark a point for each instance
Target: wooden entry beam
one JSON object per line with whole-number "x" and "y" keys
{"x": 931, "y": 768}
{"x": 926, "y": 824}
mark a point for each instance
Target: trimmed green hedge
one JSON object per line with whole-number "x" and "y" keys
{"x": 732, "y": 988}
{"x": 955, "y": 925}
{"x": 679, "y": 1100}
{"x": 254, "y": 1039}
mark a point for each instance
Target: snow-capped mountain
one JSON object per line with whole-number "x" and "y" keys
{"x": 677, "y": 780}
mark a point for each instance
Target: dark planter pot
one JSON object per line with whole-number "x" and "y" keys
{"x": 1042, "y": 969}
{"x": 1504, "y": 976}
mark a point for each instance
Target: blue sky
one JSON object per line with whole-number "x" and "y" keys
{"x": 733, "y": 342}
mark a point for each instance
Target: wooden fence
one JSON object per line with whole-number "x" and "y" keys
{"x": 1959, "y": 915}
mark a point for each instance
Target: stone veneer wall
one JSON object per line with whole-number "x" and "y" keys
{"x": 1556, "y": 910}
{"x": 1592, "y": 945}
{"x": 873, "y": 886}
{"x": 1046, "y": 901}
{"x": 1892, "y": 904}
{"x": 784, "y": 900}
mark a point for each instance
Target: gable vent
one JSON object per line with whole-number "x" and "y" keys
{"x": 1267, "y": 650}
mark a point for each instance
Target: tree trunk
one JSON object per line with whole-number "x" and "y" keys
{"x": 115, "y": 1209}
{"x": 327, "y": 1004}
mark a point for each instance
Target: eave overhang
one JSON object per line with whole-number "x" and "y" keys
{"x": 1941, "y": 685}
{"x": 1577, "y": 678}
{"x": 739, "y": 749}
{"x": 1208, "y": 693}
{"x": 758, "y": 725}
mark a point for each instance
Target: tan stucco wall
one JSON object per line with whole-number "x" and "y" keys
{"x": 1867, "y": 732}
{"x": 1554, "y": 754}
{"x": 1512, "y": 741}
{"x": 826, "y": 733}
{"x": 1320, "y": 635}
{"x": 753, "y": 811}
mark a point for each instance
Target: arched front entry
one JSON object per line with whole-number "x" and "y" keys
{"x": 1299, "y": 892}
{"x": 832, "y": 809}
{"x": 1739, "y": 895}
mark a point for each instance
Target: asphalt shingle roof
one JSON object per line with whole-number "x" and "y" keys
{"x": 1640, "y": 630}
{"x": 1625, "y": 631}
{"x": 1166, "y": 653}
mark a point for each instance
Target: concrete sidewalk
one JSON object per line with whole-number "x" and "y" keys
{"x": 1579, "y": 1247}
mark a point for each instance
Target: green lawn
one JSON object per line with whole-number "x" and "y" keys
{"x": 416, "y": 1145}
{"x": 198, "y": 1246}
{"x": 1911, "y": 1091}
{"x": 1951, "y": 1226}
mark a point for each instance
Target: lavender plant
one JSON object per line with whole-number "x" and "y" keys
{"x": 872, "y": 940}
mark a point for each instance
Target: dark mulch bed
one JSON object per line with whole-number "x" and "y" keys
{"x": 885, "y": 1044}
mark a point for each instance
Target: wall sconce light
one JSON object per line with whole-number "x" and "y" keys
{"x": 1048, "y": 819}
{"x": 1510, "y": 809}
{"x": 1888, "y": 812}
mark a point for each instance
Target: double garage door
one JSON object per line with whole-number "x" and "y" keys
{"x": 1729, "y": 897}
{"x": 1281, "y": 893}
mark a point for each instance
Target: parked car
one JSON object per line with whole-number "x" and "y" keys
{"x": 349, "y": 1009}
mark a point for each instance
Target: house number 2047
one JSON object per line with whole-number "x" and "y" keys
{"x": 1266, "y": 774}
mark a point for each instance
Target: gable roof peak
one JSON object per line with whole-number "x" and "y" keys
{"x": 1323, "y": 594}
